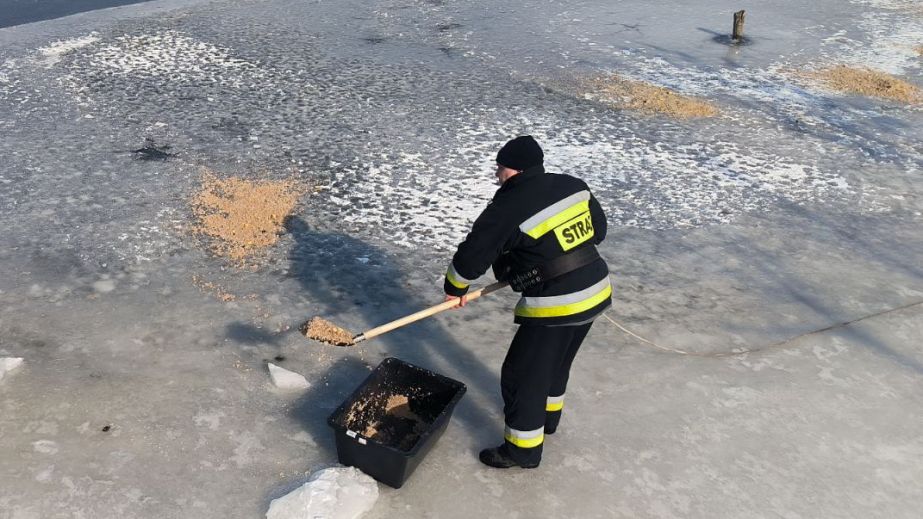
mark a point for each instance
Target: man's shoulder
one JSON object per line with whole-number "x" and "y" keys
{"x": 567, "y": 178}
{"x": 548, "y": 184}
{"x": 563, "y": 184}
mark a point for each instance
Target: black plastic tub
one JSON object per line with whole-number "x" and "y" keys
{"x": 407, "y": 432}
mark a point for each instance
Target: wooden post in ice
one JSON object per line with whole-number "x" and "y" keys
{"x": 738, "y": 33}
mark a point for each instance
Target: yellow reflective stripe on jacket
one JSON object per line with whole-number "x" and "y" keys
{"x": 568, "y": 214}
{"x": 554, "y": 403}
{"x": 567, "y": 304}
{"x": 565, "y": 310}
{"x": 456, "y": 279}
{"x": 525, "y": 439}
{"x": 557, "y": 213}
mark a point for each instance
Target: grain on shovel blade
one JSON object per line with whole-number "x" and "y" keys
{"x": 324, "y": 331}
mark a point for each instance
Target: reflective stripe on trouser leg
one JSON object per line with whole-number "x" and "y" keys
{"x": 554, "y": 403}
{"x": 553, "y": 408}
{"x": 525, "y": 439}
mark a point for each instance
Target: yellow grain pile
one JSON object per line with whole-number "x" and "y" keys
{"x": 323, "y": 330}
{"x": 240, "y": 217}
{"x": 867, "y": 82}
{"x": 626, "y": 94}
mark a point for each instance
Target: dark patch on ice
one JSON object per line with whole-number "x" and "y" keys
{"x": 279, "y": 358}
{"x": 627, "y": 27}
{"x": 153, "y": 151}
{"x": 249, "y": 334}
{"x": 107, "y": 428}
{"x": 232, "y": 126}
{"x": 152, "y": 154}
{"x": 586, "y": 63}
{"x": 448, "y": 27}
{"x": 22, "y": 338}
{"x": 374, "y": 40}
{"x": 726, "y": 39}
{"x": 56, "y": 264}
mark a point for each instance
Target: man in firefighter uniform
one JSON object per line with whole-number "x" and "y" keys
{"x": 540, "y": 233}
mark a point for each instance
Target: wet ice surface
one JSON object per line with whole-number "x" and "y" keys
{"x": 416, "y": 174}
{"x": 794, "y": 209}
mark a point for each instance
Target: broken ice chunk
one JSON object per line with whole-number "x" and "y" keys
{"x": 285, "y": 379}
{"x": 8, "y": 364}
{"x": 332, "y": 493}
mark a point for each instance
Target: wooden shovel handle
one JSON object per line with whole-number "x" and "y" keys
{"x": 397, "y": 323}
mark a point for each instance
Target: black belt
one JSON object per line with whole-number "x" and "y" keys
{"x": 559, "y": 266}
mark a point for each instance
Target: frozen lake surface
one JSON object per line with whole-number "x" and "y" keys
{"x": 145, "y": 391}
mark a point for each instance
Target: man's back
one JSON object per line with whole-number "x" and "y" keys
{"x": 534, "y": 219}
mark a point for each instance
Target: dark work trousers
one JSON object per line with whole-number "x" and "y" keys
{"x": 532, "y": 381}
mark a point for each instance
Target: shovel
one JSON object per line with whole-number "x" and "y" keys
{"x": 324, "y": 331}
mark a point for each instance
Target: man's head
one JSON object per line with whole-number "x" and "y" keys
{"x": 518, "y": 155}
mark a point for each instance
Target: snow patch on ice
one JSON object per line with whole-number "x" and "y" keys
{"x": 247, "y": 443}
{"x": 640, "y": 182}
{"x": 302, "y": 437}
{"x": 652, "y": 185}
{"x": 8, "y": 364}
{"x": 54, "y": 52}
{"x": 211, "y": 419}
{"x": 285, "y": 379}
{"x": 170, "y": 57}
{"x": 45, "y": 475}
{"x": 332, "y": 493}
{"x": 890, "y": 4}
{"x": 146, "y": 240}
{"x": 174, "y": 55}
{"x": 45, "y": 447}
{"x": 408, "y": 202}
{"x": 104, "y": 286}
{"x": 889, "y": 38}
{"x": 6, "y": 67}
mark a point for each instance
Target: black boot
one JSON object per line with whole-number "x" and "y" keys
{"x": 500, "y": 458}
{"x": 552, "y": 419}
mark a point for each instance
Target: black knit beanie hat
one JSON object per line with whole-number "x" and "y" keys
{"x": 521, "y": 153}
